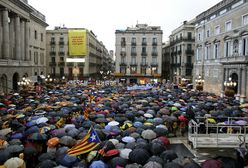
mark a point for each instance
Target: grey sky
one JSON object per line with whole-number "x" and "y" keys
{"x": 103, "y": 17}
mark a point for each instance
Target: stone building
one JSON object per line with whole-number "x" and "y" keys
{"x": 61, "y": 63}
{"x": 22, "y": 43}
{"x": 182, "y": 44}
{"x": 222, "y": 46}
{"x": 138, "y": 54}
{"x": 166, "y": 67}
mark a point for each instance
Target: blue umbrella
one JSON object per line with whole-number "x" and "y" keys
{"x": 32, "y": 130}
{"x": 67, "y": 160}
{"x": 31, "y": 123}
{"x": 16, "y": 136}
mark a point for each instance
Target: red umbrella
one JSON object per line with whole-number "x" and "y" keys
{"x": 182, "y": 118}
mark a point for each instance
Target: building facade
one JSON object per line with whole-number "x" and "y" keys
{"x": 96, "y": 58}
{"x": 182, "y": 44}
{"x": 222, "y": 46}
{"x": 139, "y": 54}
{"x": 22, "y": 43}
{"x": 166, "y": 66}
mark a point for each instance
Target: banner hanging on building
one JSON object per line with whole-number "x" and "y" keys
{"x": 77, "y": 43}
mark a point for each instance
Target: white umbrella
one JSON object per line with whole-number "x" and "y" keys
{"x": 114, "y": 141}
{"x": 14, "y": 162}
{"x": 128, "y": 139}
{"x": 124, "y": 153}
{"x": 148, "y": 134}
{"x": 41, "y": 120}
{"x": 148, "y": 115}
{"x": 113, "y": 123}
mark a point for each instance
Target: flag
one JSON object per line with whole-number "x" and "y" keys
{"x": 87, "y": 144}
{"x": 86, "y": 113}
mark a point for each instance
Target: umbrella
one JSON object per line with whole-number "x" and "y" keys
{"x": 118, "y": 162}
{"x": 211, "y": 163}
{"x": 211, "y": 120}
{"x": 168, "y": 155}
{"x": 31, "y": 123}
{"x": 30, "y": 151}
{"x": 73, "y": 132}
{"x": 38, "y": 137}
{"x": 47, "y": 164}
{"x": 113, "y": 123}
{"x": 161, "y": 131}
{"x": 139, "y": 156}
{"x": 148, "y": 134}
{"x": 46, "y": 156}
{"x": 16, "y": 136}
{"x": 182, "y": 118}
{"x": 14, "y": 148}
{"x": 153, "y": 164}
{"x": 4, "y": 155}
{"x": 14, "y": 162}
{"x": 172, "y": 165}
{"x": 157, "y": 148}
{"x": 156, "y": 159}
{"x": 67, "y": 140}
{"x": 128, "y": 139}
{"x": 124, "y": 153}
{"x": 41, "y": 120}
{"x": 68, "y": 160}
{"x": 241, "y": 122}
{"x": 45, "y": 129}
{"x": 98, "y": 164}
{"x": 53, "y": 142}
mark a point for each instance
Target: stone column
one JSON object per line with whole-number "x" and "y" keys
{"x": 22, "y": 40}
{"x": 17, "y": 38}
{"x": 5, "y": 34}
{"x": 26, "y": 41}
{"x": 12, "y": 38}
{"x": 243, "y": 85}
{"x": 1, "y": 33}
{"x": 222, "y": 84}
{"x": 239, "y": 80}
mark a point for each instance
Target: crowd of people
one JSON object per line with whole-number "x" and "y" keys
{"x": 39, "y": 126}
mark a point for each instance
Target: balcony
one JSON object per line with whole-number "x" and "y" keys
{"x": 80, "y": 64}
{"x": 133, "y": 64}
{"x": 70, "y": 64}
{"x": 123, "y": 43}
{"x": 179, "y": 52}
{"x": 176, "y": 65}
{"x": 123, "y": 64}
{"x": 154, "y": 53}
{"x": 123, "y": 53}
{"x": 52, "y": 42}
{"x": 144, "y": 43}
{"x": 154, "y": 64}
{"x": 53, "y": 53}
{"x": 154, "y": 43}
{"x": 61, "y": 63}
{"x": 143, "y": 64}
{"x": 133, "y": 54}
{"x": 52, "y": 64}
{"x": 191, "y": 52}
{"x": 133, "y": 43}
{"x": 189, "y": 65}
{"x": 61, "y": 43}
{"x": 144, "y": 54}
{"x": 61, "y": 53}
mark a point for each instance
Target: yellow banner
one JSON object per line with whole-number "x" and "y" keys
{"x": 77, "y": 43}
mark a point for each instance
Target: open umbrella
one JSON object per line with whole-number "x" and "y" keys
{"x": 14, "y": 162}
{"x": 124, "y": 153}
{"x": 53, "y": 142}
{"x": 38, "y": 137}
{"x": 153, "y": 164}
{"x": 148, "y": 134}
{"x": 68, "y": 160}
{"x": 157, "y": 148}
{"x": 67, "y": 140}
{"x": 41, "y": 120}
{"x": 128, "y": 139}
{"x": 14, "y": 148}
{"x": 118, "y": 162}
{"x": 168, "y": 155}
{"x": 46, "y": 156}
{"x": 139, "y": 156}
{"x": 47, "y": 164}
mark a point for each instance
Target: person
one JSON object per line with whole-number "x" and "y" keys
{"x": 182, "y": 127}
{"x": 174, "y": 128}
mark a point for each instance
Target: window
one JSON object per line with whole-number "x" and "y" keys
{"x": 189, "y": 46}
{"x": 123, "y": 59}
{"x": 61, "y": 39}
{"x": 133, "y": 50}
{"x": 133, "y": 40}
{"x": 36, "y": 57}
{"x": 143, "y": 60}
{"x": 133, "y": 60}
{"x": 217, "y": 30}
{"x": 208, "y": 33}
{"x": 53, "y": 59}
{"x": 207, "y": 52}
{"x": 53, "y": 49}
{"x": 41, "y": 36}
{"x": 154, "y": 49}
{"x": 216, "y": 50}
{"x": 35, "y": 35}
{"x": 133, "y": 70}
{"x": 154, "y": 40}
{"x": 189, "y": 59}
{"x": 235, "y": 47}
{"x": 199, "y": 36}
{"x": 227, "y": 48}
{"x": 61, "y": 71}
{"x": 143, "y": 49}
{"x": 61, "y": 59}
{"x": 61, "y": 49}
{"x": 42, "y": 58}
{"x": 181, "y": 36}
{"x": 245, "y": 45}
{"x": 198, "y": 54}
{"x": 144, "y": 40}
{"x": 154, "y": 59}
{"x": 143, "y": 70}
{"x": 123, "y": 70}
{"x": 245, "y": 19}
{"x": 228, "y": 26}
{"x": 189, "y": 35}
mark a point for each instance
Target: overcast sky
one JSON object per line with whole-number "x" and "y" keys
{"x": 103, "y": 17}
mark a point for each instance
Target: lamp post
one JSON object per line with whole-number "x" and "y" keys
{"x": 101, "y": 72}
{"x": 199, "y": 83}
{"x": 229, "y": 87}
{"x": 24, "y": 83}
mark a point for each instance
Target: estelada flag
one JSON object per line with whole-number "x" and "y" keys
{"x": 87, "y": 144}
{"x": 86, "y": 113}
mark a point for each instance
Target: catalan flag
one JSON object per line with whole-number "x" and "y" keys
{"x": 86, "y": 113}
{"x": 88, "y": 143}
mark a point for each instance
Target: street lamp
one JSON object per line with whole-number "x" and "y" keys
{"x": 24, "y": 83}
{"x": 229, "y": 87}
{"x": 199, "y": 83}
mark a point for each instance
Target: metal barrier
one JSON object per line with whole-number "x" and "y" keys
{"x": 206, "y": 135}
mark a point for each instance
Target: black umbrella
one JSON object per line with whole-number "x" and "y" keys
{"x": 14, "y": 149}
{"x": 157, "y": 148}
{"x": 118, "y": 161}
{"x": 30, "y": 151}
{"x": 139, "y": 156}
{"x": 172, "y": 165}
{"x": 46, "y": 156}
{"x": 4, "y": 155}
{"x": 161, "y": 131}
{"x": 168, "y": 155}
{"x": 47, "y": 164}
{"x": 229, "y": 162}
{"x": 156, "y": 159}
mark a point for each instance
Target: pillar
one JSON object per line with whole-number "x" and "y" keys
{"x": 17, "y": 38}
{"x": 5, "y": 34}
{"x": 243, "y": 85}
{"x": 22, "y": 40}
{"x": 222, "y": 84}
{"x": 1, "y": 34}
{"x": 12, "y": 38}
{"x": 26, "y": 41}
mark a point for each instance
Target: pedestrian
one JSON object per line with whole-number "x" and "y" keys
{"x": 182, "y": 127}
{"x": 174, "y": 128}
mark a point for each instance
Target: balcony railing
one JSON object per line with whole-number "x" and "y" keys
{"x": 144, "y": 53}
{"x": 189, "y": 52}
{"x": 154, "y": 43}
{"x": 52, "y": 63}
{"x": 189, "y": 65}
{"x": 154, "y": 64}
{"x": 70, "y": 64}
{"x": 61, "y": 43}
{"x": 133, "y": 43}
{"x": 176, "y": 65}
{"x": 52, "y": 53}
{"x": 133, "y": 54}
{"x": 172, "y": 42}
{"x": 123, "y": 53}
{"x": 154, "y": 53}
{"x": 80, "y": 64}
{"x": 143, "y": 64}
{"x": 61, "y": 53}
{"x": 52, "y": 42}
{"x": 123, "y": 64}
{"x": 133, "y": 63}
{"x": 61, "y": 63}
{"x": 144, "y": 43}
{"x": 179, "y": 52}
{"x": 123, "y": 43}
